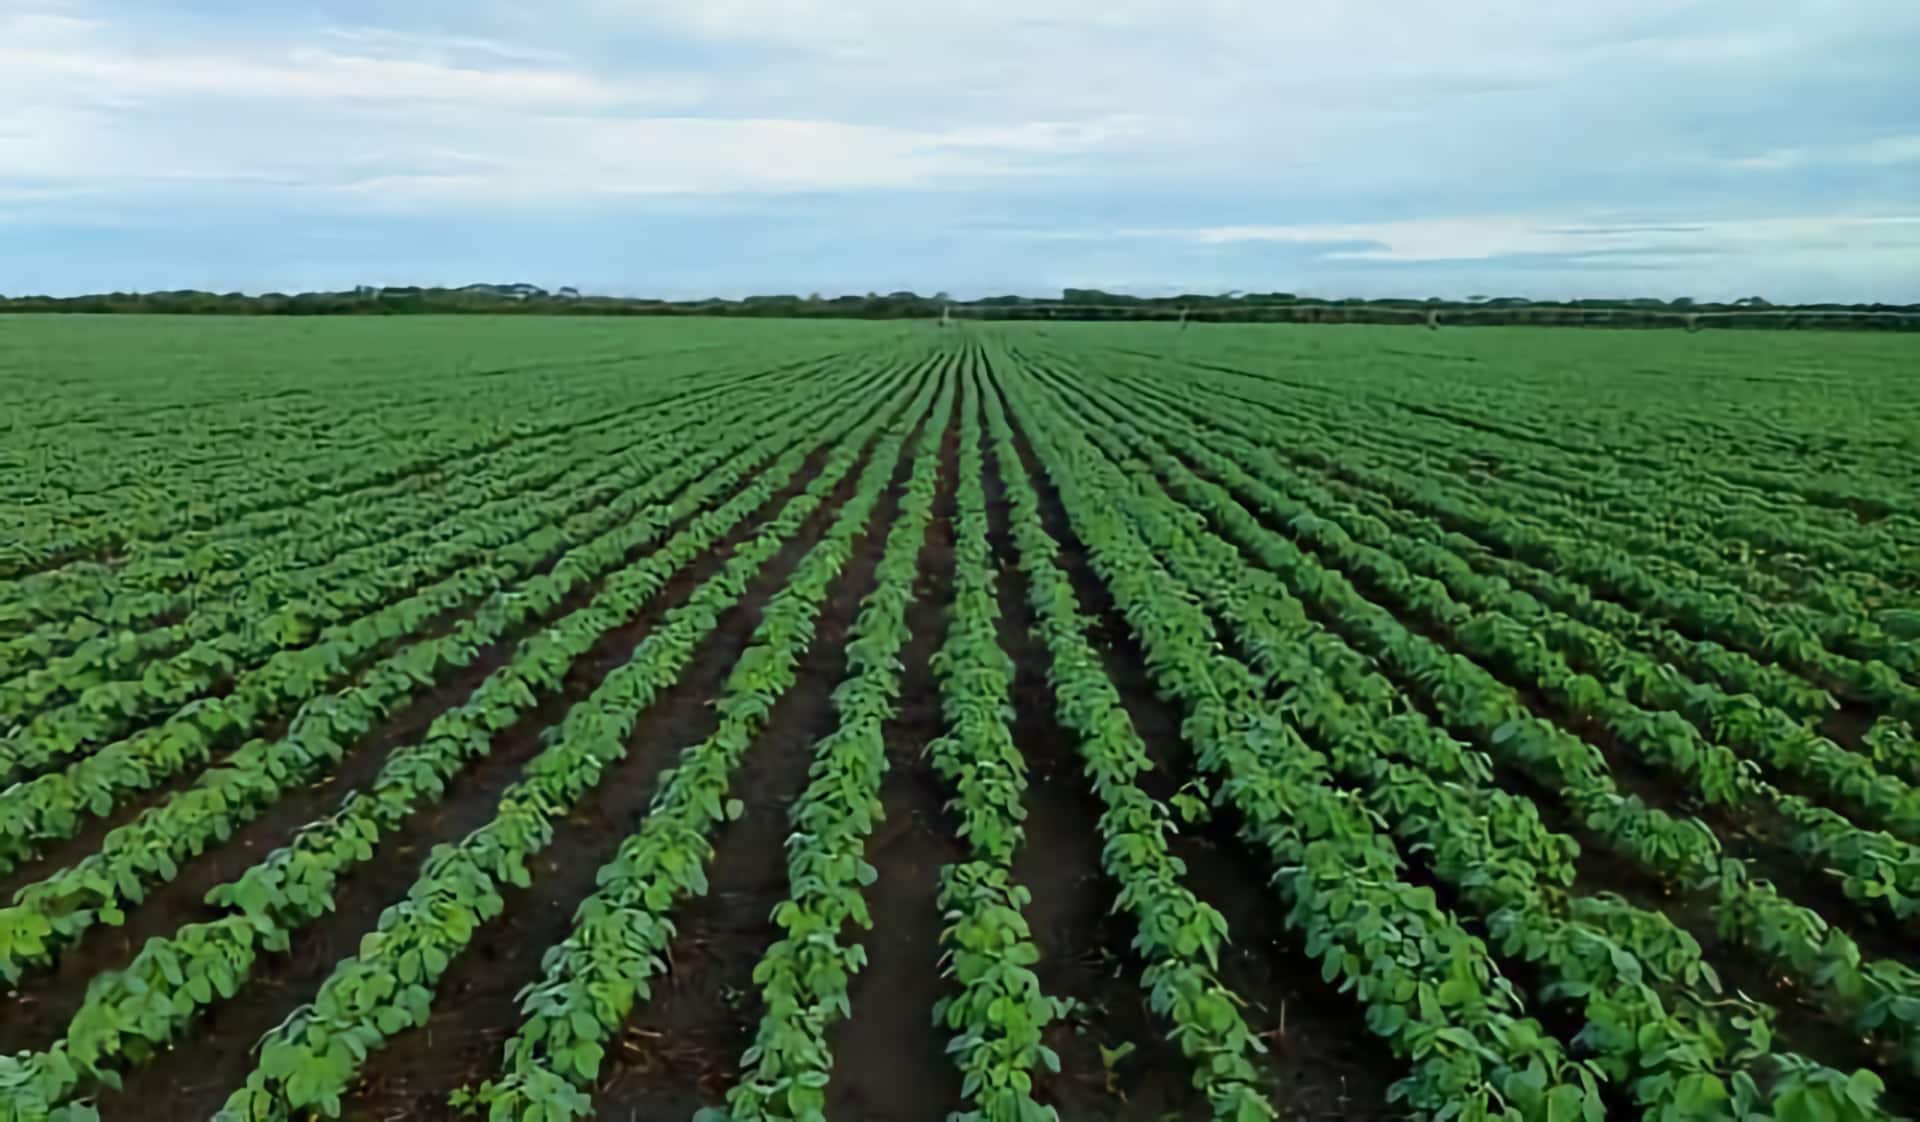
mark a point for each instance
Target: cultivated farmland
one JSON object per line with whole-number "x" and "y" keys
{"x": 550, "y": 718}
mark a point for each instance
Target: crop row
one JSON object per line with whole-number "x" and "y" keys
{"x": 1491, "y": 845}
{"x": 230, "y": 640}
{"x": 152, "y": 847}
{"x": 307, "y": 1063}
{"x": 1878, "y": 994}
{"x": 122, "y": 1020}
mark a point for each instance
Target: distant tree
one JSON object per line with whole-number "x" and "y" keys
{"x": 1085, "y": 303}
{"x": 1095, "y": 296}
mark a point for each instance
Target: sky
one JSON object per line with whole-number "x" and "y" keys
{"x": 1706, "y": 148}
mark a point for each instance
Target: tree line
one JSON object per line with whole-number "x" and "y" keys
{"x": 1071, "y": 304}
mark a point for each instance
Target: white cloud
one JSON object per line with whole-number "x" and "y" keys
{"x": 1885, "y": 151}
{"x": 379, "y": 117}
{"x": 1185, "y": 44}
{"x": 96, "y": 73}
{"x": 576, "y": 157}
{"x": 1571, "y": 237}
{"x": 1358, "y": 127}
{"x": 387, "y": 41}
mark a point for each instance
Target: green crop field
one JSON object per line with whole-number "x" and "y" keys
{"x": 674, "y": 719}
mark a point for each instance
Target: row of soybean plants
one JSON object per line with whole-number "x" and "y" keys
{"x": 278, "y": 587}
{"x": 1771, "y": 542}
{"x": 109, "y": 502}
{"x": 804, "y": 976}
{"x": 216, "y": 460}
{"x": 122, "y": 1022}
{"x": 1669, "y": 595}
{"x": 308, "y": 1063}
{"x": 1821, "y": 624}
{"x": 1706, "y": 736}
{"x": 1845, "y": 588}
{"x": 157, "y": 577}
{"x": 1878, "y": 996}
{"x": 123, "y": 677}
{"x": 150, "y": 849}
{"x": 1654, "y": 1018}
{"x": 1178, "y": 936}
{"x": 384, "y": 646}
{"x": 623, "y": 931}
{"x": 1629, "y": 676}
{"x": 999, "y": 1012}
{"x": 1823, "y": 609}
{"x": 1643, "y": 609}
{"x": 1720, "y": 463}
{"x": 166, "y": 576}
{"x": 1429, "y": 987}
{"x": 1770, "y": 537}
{"x": 95, "y": 621}
{"x": 122, "y": 507}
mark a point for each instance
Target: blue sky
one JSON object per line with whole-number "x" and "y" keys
{"x": 1713, "y": 148}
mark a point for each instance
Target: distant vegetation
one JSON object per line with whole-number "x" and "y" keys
{"x": 1073, "y": 303}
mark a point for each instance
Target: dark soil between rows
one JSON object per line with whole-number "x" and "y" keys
{"x": 477, "y": 1006}
{"x": 1811, "y": 1029}
{"x": 452, "y": 1046}
{"x": 1082, "y": 944}
{"x": 890, "y": 1059}
{"x": 1750, "y": 831}
{"x": 1322, "y": 1061}
{"x": 1848, "y": 725}
{"x": 50, "y": 998}
{"x": 680, "y": 1051}
{"x": 93, "y": 830}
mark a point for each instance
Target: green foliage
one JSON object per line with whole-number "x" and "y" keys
{"x": 1179, "y": 936}
{"x": 295, "y": 884}
{"x": 1000, "y": 1012}
{"x": 621, "y": 933}
{"x": 804, "y": 977}
{"x": 1615, "y": 958}
{"x": 1403, "y": 590}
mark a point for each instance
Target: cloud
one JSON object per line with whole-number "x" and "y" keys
{"x": 1491, "y": 237}
{"x": 391, "y": 118}
{"x": 105, "y": 74}
{"x": 385, "y": 41}
{"x": 1885, "y": 151}
{"x": 1155, "y": 139}
{"x": 576, "y": 157}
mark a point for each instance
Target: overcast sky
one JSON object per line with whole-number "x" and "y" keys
{"x": 1714, "y": 148}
